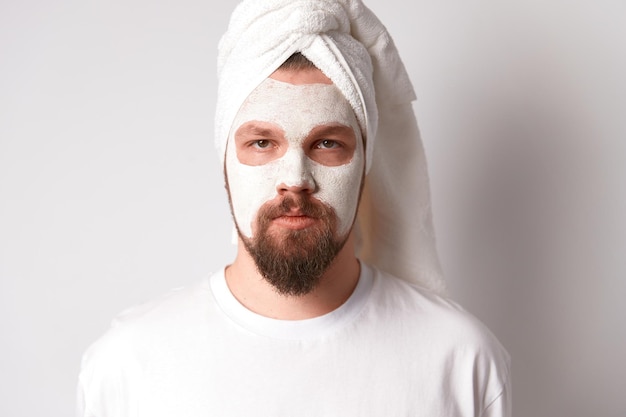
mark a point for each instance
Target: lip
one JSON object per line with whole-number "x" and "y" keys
{"x": 294, "y": 221}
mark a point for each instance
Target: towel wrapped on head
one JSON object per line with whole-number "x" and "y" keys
{"x": 348, "y": 43}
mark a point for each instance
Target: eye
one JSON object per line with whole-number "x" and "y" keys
{"x": 327, "y": 144}
{"x": 261, "y": 144}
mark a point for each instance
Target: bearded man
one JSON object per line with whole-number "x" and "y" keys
{"x": 323, "y": 162}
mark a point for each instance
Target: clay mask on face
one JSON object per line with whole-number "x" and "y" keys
{"x": 296, "y": 110}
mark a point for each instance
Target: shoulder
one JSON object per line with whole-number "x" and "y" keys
{"x": 140, "y": 336}
{"x": 158, "y": 322}
{"x": 437, "y": 319}
{"x": 460, "y": 349}
{"x": 423, "y": 307}
{"x": 175, "y": 304}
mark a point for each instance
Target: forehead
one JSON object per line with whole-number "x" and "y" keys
{"x": 296, "y": 108}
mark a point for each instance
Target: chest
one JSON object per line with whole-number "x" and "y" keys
{"x": 347, "y": 377}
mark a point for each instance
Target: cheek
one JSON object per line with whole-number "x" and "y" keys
{"x": 250, "y": 187}
{"x": 340, "y": 189}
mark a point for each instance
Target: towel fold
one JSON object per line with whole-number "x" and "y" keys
{"x": 348, "y": 43}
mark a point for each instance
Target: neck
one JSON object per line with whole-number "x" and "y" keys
{"x": 256, "y": 294}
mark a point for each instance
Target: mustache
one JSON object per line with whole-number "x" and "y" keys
{"x": 303, "y": 205}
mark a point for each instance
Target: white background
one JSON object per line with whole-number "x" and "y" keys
{"x": 110, "y": 191}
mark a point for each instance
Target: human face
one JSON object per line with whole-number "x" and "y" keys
{"x": 292, "y": 138}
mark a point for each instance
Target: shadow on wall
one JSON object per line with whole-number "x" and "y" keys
{"x": 536, "y": 233}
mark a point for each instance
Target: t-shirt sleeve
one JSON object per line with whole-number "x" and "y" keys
{"x": 501, "y": 406}
{"x": 109, "y": 373}
{"x": 81, "y": 406}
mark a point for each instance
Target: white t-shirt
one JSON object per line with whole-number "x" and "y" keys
{"x": 390, "y": 350}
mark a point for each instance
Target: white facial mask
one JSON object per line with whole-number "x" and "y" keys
{"x": 296, "y": 109}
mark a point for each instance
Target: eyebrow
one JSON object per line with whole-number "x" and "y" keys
{"x": 331, "y": 130}
{"x": 250, "y": 128}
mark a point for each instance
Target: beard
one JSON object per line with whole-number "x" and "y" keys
{"x": 293, "y": 261}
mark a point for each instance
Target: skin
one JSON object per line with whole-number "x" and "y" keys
{"x": 302, "y": 135}
{"x": 341, "y": 277}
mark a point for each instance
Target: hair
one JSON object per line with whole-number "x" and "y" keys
{"x": 297, "y": 62}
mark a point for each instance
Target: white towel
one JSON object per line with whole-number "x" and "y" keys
{"x": 348, "y": 43}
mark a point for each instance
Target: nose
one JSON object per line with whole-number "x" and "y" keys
{"x": 294, "y": 174}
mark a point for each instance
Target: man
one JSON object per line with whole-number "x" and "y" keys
{"x": 317, "y": 138}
